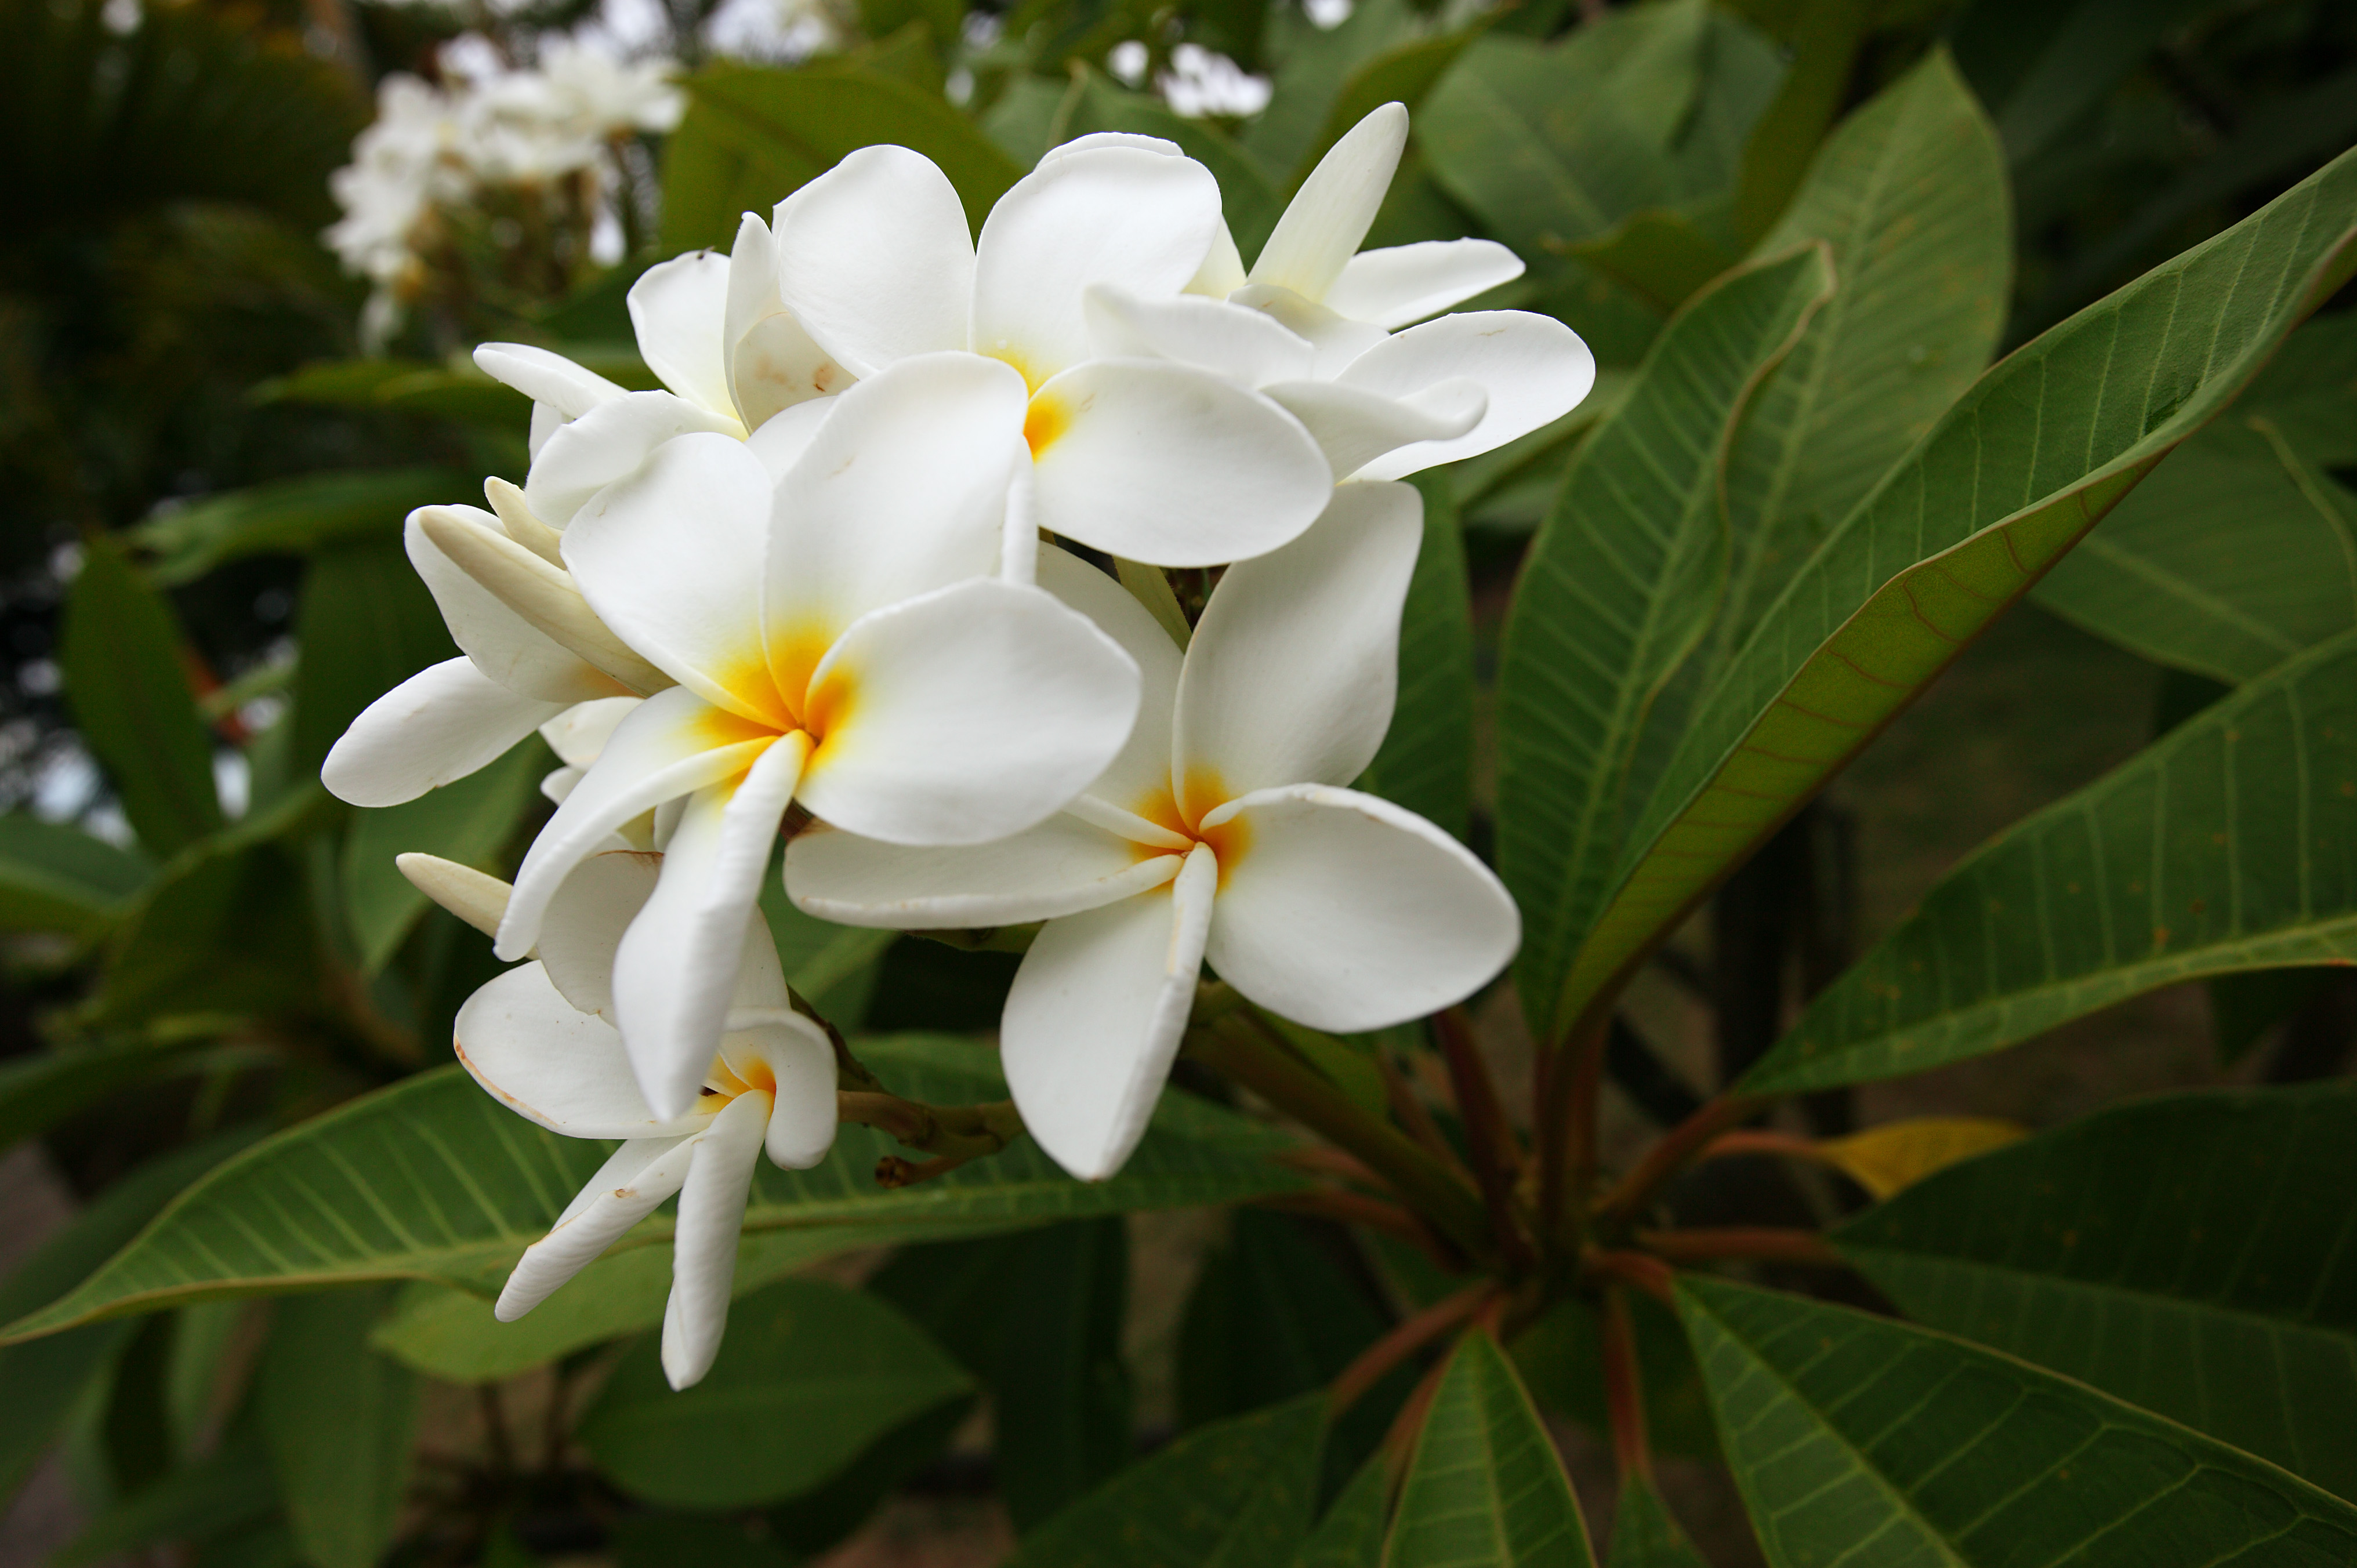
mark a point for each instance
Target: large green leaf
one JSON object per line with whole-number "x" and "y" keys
{"x": 1234, "y": 1495}
{"x": 2230, "y": 843}
{"x": 338, "y": 1421}
{"x": 1911, "y": 193}
{"x": 754, "y": 135}
{"x": 57, "y": 878}
{"x": 295, "y": 517}
{"x": 2177, "y": 1252}
{"x": 431, "y": 1179}
{"x": 1352, "y": 1534}
{"x": 124, "y": 681}
{"x": 1616, "y": 592}
{"x": 469, "y": 821}
{"x": 809, "y": 1376}
{"x": 2033, "y": 455}
{"x": 1485, "y": 1488}
{"x": 36, "y": 1091}
{"x": 1646, "y": 1536}
{"x": 1853, "y": 1433}
{"x": 2241, "y": 551}
{"x": 365, "y": 624}
{"x": 1272, "y": 1315}
{"x": 1061, "y": 1393}
{"x": 1427, "y": 760}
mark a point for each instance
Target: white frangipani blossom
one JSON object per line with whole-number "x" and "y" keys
{"x": 1148, "y": 458}
{"x": 1222, "y": 831}
{"x": 830, "y": 617}
{"x": 537, "y": 1039}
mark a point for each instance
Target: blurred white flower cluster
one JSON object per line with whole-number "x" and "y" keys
{"x": 549, "y": 133}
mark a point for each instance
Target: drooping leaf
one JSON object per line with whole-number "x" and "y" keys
{"x": 432, "y": 1179}
{"x": 753, "y": 135}
{"x": 1845, "y": 1428}
{"x": 1060, "y": 1392}
{"x": 1896, "y": 1155}
{"x": 1427, "y": 760}
{"x": 1616, "y": 592}
{"x": 809, "y": 1374}
{"x": 2032, "y": 457}
{"x": 1485, "y": 1488}
{"x": 365, "y": 624}
{"x": 296, "y": 517}
{"x": 120, "y": 653}
{"x": 2174, "y": 1252}
{"x": 2227, "y": 844}
{"x": 469, "y": 821}
{"x": 1237, "y": 1494}
{"x": 338, "y": 1421}
{"x": 58, "y": 878}
{"x": 1910, "y": 194}
{"x": 1644, "y": 1535}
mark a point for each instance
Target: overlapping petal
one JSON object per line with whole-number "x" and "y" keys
{"x": 443, "y": 722}
{"x": 547, "y": 377}
{"x": 1143, "y": 765}
{"x": 1061, "y": 867}
{"x": 565, "y": 1070}
{"x": 874, "y": 259}
{"x": 1248, "y": 347}
{"x": 502, "y": 644}
{"x": 586, "y": 921}
{"x": 1402, "y": 284}
{"x": 632, "y": 1183}
{"x": 1535, "y": 369}
{"x": 610, "y": 441}
{"x": 679, "y": 309}
{"x": 1335, "y": 207}
{"x": 1354, "y": 427}
{"x": 703, "y": 1243}
{"x": 772, "y": 361}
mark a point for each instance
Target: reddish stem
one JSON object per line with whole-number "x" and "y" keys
{"x": 1573, "y": 1080}
{"x": 1624, "y": 1391}
{"x": 1358, "y": 1208}
{"x": 1496, "y": 1155}
{"x": 1766, "y": 1243}
{"x": 1672, "y": 1154}
{"x": 1761, "y": 1141}
{"x": 1318, "y": 1159}
{"x": 1413, "y": 1115}
{"x": 1411, "y": 1335}
{"x": 1642, "y": 1270}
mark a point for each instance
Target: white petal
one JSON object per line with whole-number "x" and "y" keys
{"x": 1400, "y": 284}
{"x": 609, "y": 442}
{"x": 670, "y": 559}
{"x": 1141, "y": 772}
{"x": 900, "y": 493}
{"x": 542, "y": 593}
{"x": 565, "y": 1070}
{"x": 545, "y": 422}
{"x": 1353, "y": 428}
{"x": 1294, "y": 667}
{"x": 772, "y": 363}
{"x": 586, "y": 921}
{"x": 475, "y": 897}
{"x": 557, "y": 783}
{"x": 441, "y": 723}
{"x": 1164, "y": 463}
{"x": 579, "y": 733}
{"x": 1335, "y": 207}
{"x": 1535, "y": 369}
{"x": 675, "y": 970}
{"x": 503, "y": 645}
{"x": 1223, "y": 272}
{"x": 547, "y": 378}
{"x": 967, "y": 714}
{"x": 703, "y": 1246}
{"x": 800, "y": 1061}
{"x": 1246, "y": 346}
{"x": 1061, "y": 867}
{"x": 786, "y": 436}
{"x": 679, "y": 308}
{"x": 1345, "y": 912}
{"x": 875, "y": 261}
{"x": 1163, "y": 145}
{"x": 672, "y": 744}
{"x": 1094, "y": 1017}
{"x": 631, "y": 1185}
{"x": 1337, "y": 340}
{"x": 1128, "y": 216}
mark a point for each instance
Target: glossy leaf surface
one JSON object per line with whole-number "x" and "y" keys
{"x": 1485, "y": 1487}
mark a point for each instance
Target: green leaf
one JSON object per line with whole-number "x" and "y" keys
{"x": 1644, "y": 1535}
{"x": 119, "y": 652}
{"x": 338, "y": 1421}
{"x": 1911, "y": 193}
{"x": 1826, "y": 40}
{"x": 1316, "y": 64}
{"x": 1616, "y": 592}
{"x": 1660, "y": 256}
{"x": 469, "y": 821}
{"x": 232, "y": 1486}
{"x": 1250, "y": 198}
{"x": 754, "y": 135}
{"x": 38, "y": 1091}
{"x": 1272, "y": 1315}
{"x": 2172, "y": 1251}
{"x": 2227, "y": 844}
{"x": 810, "y": 1375}
{"x": 832, "y": 967}
{"x": 296, "y": 517}
{"x": 58, "y": 878}
{"x": 2033, "y": 455}
{"x": 365, "y": 624}
{"x": 1427, "y": 760}
{"x": 1561, "y": 1361}
{"x": 1403, "y": 75}
{"x": 1237, "y": 1494}
{"x": 1060, "y": 1405}
{"x": 432, "y": 1179}
{"x": 1352, "y": 1534}
{"x": 1485, "y": 1488}
{"x": 1844, "y": 1429}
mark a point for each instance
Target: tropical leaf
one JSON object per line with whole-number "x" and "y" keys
{"x": 1910, "y": 194}
{"x": 1644, "y": 1535}
{"x": 1484, "y": 1489}
{"x": 1272, "y": 1315}
{"x": 1561, "y": 1361}
{"x": 295, "y": 517}
{"x": 1315, "y": 65}
{"x": 1352, "y": 1534}
{"x": 1427, "y": 760}
{"x": 337, "y": 1421}
{"x": 469, "y": 821}
{"x": 2033, "y": 455}
{"x": 365, "y": 624}
{"x": 810, "y": 1375}
{"x": 38, "y": 1091}
{"x": 1237, "y": 1494}
{"x": 1060, "y": 1396}
{"x": 1896, "y": 1155}
{"x": 1615, "y": 591}
{"x": 58, "y": 878}
{"x": 1846, "y": 1430}
{"x": 431, "y": 1179}
{"x": 132, "y": 706}
{"x": 2230, "y": 843}
{"x": 2176, "y": 1251}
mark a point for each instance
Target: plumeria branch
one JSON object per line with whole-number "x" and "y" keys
{"x": 1676, "y": 1149}
{"x": 1624, "y": 1389}
{"x": 1763, "y": 1243}
{"x": 1376, "y": 1214}
{"x": 957, "y": 1132}
{"x": 1409, "y": 1336}
{"x": 1497, "y": 1156}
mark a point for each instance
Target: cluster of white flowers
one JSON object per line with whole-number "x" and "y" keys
{"x": 431, "y": 149}
{"x": 822, "y": 568}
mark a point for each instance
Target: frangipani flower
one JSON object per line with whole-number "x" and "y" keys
{"x": 1147, "y": 459}
{"x": 535, "y": 1039}
{"x": 836, "y": 639}
{"x": 1221, "y": 832}
{"x": 713, "y": 329}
